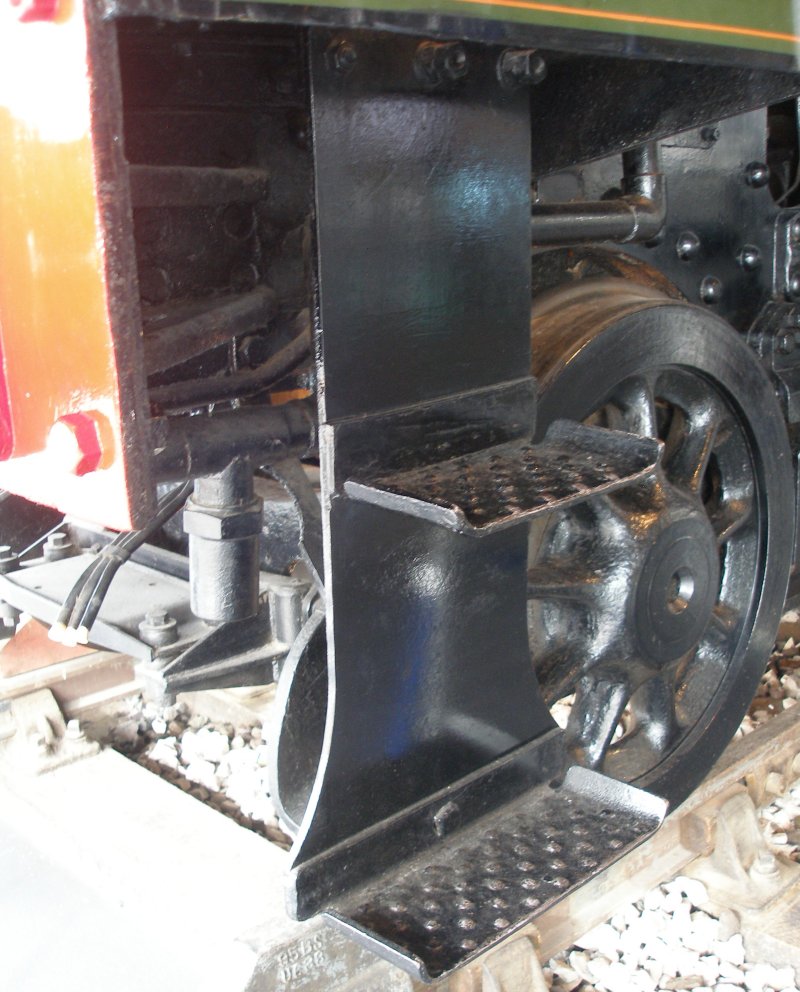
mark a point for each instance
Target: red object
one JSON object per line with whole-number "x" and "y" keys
{"x": 6, "y": 428}
{"x": 75, "y": 442}
{"x": 35, "y": 10}
{"x": 76, "y": 406}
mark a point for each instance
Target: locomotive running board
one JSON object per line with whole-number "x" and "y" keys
{"x": 437, "y": 910}
{"x": 509, "y": 484}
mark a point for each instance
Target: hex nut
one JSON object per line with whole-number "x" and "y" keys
{"x": 437, "y": 62}
{"x": 158, "y": 629}
{"x": 221, "y": 525}
{"x": 520, "y": 67}
{"x": 342, "y": 56}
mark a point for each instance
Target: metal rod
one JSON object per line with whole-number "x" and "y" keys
{"x": 189, "y": 447}
{"x": 199, "y": 392}
{"x": 638, "y": 215}
{"x": 169, "y": 342}
{"x": 189, "y": 186}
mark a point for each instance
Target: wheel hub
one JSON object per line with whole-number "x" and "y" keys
{"x": 676, "y": 589}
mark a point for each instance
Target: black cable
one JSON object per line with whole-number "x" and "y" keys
{"x": 83, "y": 602}
{"x": 91, "y": 598}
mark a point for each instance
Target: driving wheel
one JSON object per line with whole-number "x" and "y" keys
{"x": 652, "y": 610}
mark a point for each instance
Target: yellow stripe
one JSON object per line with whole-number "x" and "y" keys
{"x": 665, "y": 22}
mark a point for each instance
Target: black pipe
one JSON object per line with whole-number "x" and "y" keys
{"x": 638, "y": 215}
{"x": 224, "y": 520}
{"x": 190, "y": 447}
{"x": 201, "y": 392}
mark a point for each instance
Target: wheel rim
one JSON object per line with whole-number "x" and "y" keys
{"x": 647, "y": 607}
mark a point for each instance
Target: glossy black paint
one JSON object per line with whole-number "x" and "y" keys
{"x": 625, "y": 102}
{"x": 423, "y": 241}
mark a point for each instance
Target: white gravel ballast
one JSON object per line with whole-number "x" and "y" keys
{"x": 665, "y": 941}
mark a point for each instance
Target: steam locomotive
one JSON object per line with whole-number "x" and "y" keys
{"x": 437, "y": 360}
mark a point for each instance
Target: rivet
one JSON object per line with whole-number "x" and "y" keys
{"x": 794, "y": 229}
{"x": 786, "y": 345}
{"x": 749, "y": 258}
{"x": 793, "y": 283}
{"x": 687, "y": 245}
{"x": 711, "y": 290}
{"x": 756, "y": 174}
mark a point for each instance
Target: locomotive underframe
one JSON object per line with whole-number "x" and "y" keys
{"x": 363, "y": 197}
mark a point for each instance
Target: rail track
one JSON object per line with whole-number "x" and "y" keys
{"x": 713, "y": 836}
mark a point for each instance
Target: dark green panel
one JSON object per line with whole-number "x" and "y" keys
{"x": 770, "y": 25}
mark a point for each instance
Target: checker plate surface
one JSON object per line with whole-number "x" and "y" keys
{"x": 442, "y": 909}
{"x": 511, "y": 483}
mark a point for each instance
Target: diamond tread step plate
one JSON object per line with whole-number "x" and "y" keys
{"x": 440, "y": 909}
{"x": 508, "y": 484}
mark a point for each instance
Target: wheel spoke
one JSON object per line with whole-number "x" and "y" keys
{"x": 701, "y": 677}
{"x": 596, "y": 712}
{"x": 654, "y": 709}
{"x": 731, "y": 517}
{"x": 689, "y": 448}
{"x": 558, "y": 672}
{"x": 561, "y": 581}
{"x": 636, "y": 399}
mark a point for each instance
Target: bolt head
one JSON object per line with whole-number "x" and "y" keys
{"x": 29, "y": 11}
{"x": 519, "y": 67}
{"x": 343, "y": 56}
{"x": 765, "y": 864}
{"x": 158, "y": 629}
{"x": 757, "y": 174}
{"x": 8, "y": 560}
{"x": 710, "y": 133}
{"x": 794, "y": 229}
{"x": 75, "y": 442}
{"x": 687, "y": 246}
{"x": 786, "y": 343}
{"x": 58, "y": 545}
{"x": 437, "y": 62}
{"x": 749, "y": 258}
{"x": 455, "y": 63}
{"x": 711, "y": 290}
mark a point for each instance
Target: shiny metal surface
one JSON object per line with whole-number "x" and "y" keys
{"x": 504, "y": 486}
{"x": 653, "y": 609}
{"x": 435, "y": 912}
{"x": 421, "y": 191}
